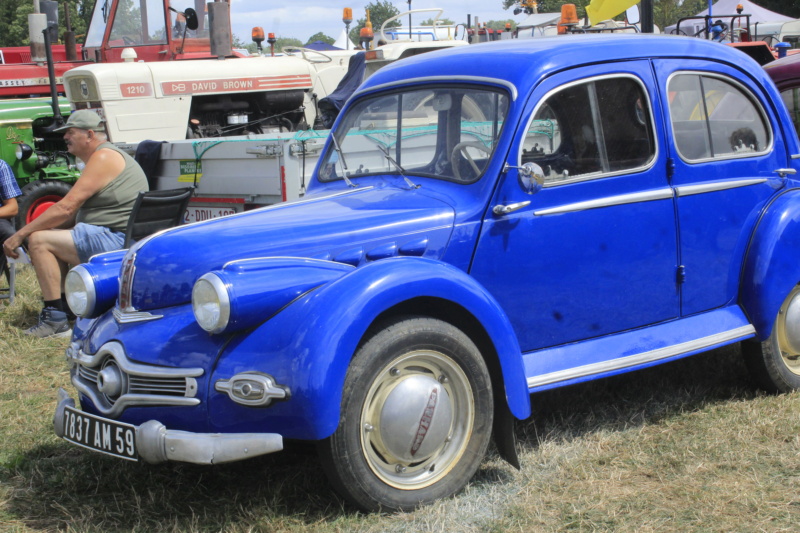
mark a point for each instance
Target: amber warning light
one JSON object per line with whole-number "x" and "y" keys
{"x": 258, "y": 37}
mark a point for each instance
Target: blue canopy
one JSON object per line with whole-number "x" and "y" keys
{"x": 321, "y": 45}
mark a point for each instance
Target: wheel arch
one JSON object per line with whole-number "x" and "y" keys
{"x": 318, "y": 345}
{"x": 771, "y": 268}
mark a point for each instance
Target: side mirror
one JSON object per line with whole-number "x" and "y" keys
{"x": 530, "y": 177}
{"x": 191, "y": 18}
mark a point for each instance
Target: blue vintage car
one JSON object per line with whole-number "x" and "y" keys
{"x": 486, "y": 222}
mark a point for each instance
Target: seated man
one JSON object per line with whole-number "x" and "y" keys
{"x": 96, "y": 208}
{"x": 9, "y": 191}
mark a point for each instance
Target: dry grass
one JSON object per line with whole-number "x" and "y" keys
{"x": 689, "y": 446}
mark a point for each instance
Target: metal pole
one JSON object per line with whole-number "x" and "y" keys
{"x": 647, "y": 16}
{"x": 409, "y": 19}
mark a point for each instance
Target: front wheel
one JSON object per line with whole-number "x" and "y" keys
{"x": 775, "y": 362}
{"x": 416, "y": 417}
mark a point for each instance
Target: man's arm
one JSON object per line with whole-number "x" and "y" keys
{"x": 103, "y": 166}
{"x": 9, "y": 208}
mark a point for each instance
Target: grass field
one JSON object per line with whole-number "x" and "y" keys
{"x": 688, "y": 446}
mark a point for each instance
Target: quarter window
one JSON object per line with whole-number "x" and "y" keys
{"x": 791, "y": 97}
{"x": 714, "y": 118}
{"x": 593, "y": 128}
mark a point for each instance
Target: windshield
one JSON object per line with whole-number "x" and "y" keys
{"x": 97, "y": 26}
{"x": 440, "y": 132}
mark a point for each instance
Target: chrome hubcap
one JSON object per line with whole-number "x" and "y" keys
{"x": 788, "y": 331}
{"x": 417, "y": 419}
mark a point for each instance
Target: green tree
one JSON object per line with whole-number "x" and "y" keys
{"x": 429, "y": 22}
{"x": 379, "y": 12}
{"x": 282, "y": 42}
{"x": 319, "y": 36}
{"x": 14, "y": 19}
{"x": 500, "y": 24}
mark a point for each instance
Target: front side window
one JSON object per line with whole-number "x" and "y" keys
{"x": 442, "y": 132}
{"x": 714, "y": 118}
{"x": 593, "y": 128}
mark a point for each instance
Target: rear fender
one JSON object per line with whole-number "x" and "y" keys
{"x": 313, "y": 339}
{"x": 772, "y": 264}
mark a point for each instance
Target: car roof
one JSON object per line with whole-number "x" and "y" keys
{"x": 523, "y": 62}
{"x": 784, "y": 69}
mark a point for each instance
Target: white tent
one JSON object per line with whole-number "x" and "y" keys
{"x": 343, "y": 41}
{"x": 758, "y": 15}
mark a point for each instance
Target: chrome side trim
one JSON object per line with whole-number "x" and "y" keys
{"x": 646, "y": 196}
{"x": 638, "y": 359}
{"x": 129, "y": 317}
{"x": 688, "y": 190}
{"x": 449, "y": 79}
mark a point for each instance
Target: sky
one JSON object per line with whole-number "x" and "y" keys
{"x": 303, "y": 18}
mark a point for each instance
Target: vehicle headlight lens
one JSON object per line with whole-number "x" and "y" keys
{"x": 80, "y": 291}
{"x": 211, "y": 304}
{"x": 23, "y": 151}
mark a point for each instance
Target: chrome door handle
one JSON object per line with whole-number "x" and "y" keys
{"x": 510, "y": 208}
{"x": 783, "y": 172}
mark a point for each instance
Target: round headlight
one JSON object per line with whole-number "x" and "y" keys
{"x": 22, "y": 151}
{"x": 210, "y": 303}
{"x": 80, "y": 291}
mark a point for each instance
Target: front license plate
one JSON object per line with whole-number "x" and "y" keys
{"x": 100, "y": 434}
{"x": 198, "y": 214}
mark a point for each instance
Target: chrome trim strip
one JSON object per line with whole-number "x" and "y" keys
{"x": 622, "y": 199}
{"x": 129, "y": 317}
{"x": 688, "y": 190}
{"x": 116, "y": 350}
{"x": 638, "y": 359}
{"x": 481, "y": 79}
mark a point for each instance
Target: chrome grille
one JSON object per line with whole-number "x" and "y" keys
{"x": 143, "y": 385}
{"x": 169, "y": 386}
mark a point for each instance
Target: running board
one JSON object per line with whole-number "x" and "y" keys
{"x": 640, "y": 348}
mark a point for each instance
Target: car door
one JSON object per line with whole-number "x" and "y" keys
{"x": 595, "y": 250}
{"x": 724, "y": 158}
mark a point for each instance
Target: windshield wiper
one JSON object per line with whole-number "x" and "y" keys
{"x": 402, "y": 171}
{"x": 341, "y": 158}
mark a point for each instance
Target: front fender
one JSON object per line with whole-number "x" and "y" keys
{"x": 310, "y": 343}
{"x": 772, "y": 264}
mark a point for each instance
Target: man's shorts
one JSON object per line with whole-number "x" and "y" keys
{"x": 92, "y": 240}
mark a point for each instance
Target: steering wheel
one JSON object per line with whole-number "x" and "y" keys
{"x": 461, "y": 149}
{"x": 294, "y": 49}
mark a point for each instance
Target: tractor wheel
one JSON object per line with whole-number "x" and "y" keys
{"x": 37, "y": 197}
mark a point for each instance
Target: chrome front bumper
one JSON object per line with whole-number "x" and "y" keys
{"x": 157, "y": 444}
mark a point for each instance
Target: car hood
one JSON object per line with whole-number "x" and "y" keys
{"x": 354, "y": 226}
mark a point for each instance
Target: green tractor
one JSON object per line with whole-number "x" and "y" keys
{"x": 44, "y": 169}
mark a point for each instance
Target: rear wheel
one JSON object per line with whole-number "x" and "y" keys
{"x": 775, "y": 362}
{"x": 416, "y": 417}
{"x": 37, "y": 197}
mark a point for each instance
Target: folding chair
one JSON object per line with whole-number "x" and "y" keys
{"x": 156, "y": 210}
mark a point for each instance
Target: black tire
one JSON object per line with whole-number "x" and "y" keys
{"x": 37, "y": 197}
{"x": 775, "y": 363}
{"x": 417, "y": 445}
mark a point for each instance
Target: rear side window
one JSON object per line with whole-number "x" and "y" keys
{"x": 714, "y": 118}
{"x": 593, "y": 128}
